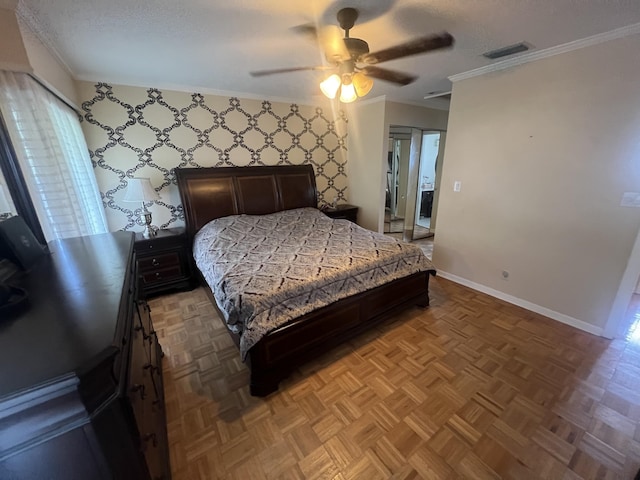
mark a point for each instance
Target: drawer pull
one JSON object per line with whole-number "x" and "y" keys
{"x": 153, "y": 368}
{"x": 155, "y": 262}
{"x": 138, "y": 388}
{"x": 157, "y": 274}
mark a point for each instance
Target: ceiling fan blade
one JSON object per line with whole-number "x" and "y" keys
{"x": 332, "y": 44}
{"x": 329, "y": 38}
{"x": 388, "y": 75}
{"x": 413, "y": 47}
{"x": 262, "y": 73}
{"x": 308, "y": 30}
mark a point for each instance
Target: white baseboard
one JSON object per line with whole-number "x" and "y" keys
{"x": 560, "y": 317}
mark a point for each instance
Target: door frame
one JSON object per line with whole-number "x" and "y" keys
{"x": 614, "y": 327}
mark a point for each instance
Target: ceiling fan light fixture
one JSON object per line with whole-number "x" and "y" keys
{"x": 330, "y": 86}
{"x": 362, "y": 84}
{"x": 346, "y": 55}
{"x": 348, "y": 93}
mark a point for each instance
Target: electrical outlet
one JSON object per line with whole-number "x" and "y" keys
{"x": 457, "y": 185}
{"x": 505, "y": 274}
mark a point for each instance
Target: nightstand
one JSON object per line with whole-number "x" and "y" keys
{"x": 348, "y": 212}
{"x": 163, "y": 262}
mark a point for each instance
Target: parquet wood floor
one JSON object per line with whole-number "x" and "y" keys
{"x": 471, "y": 387}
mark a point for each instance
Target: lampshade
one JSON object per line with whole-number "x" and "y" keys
{"x": 362, "y": 83}
{"x": 140, "y": 190}
{"x": 5, "y": 206}
{"x": 348, "y": 93}
{"x": 330, "y": 86}
{"x": 351, "y": 86}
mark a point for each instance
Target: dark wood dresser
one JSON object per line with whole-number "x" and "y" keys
{"x": 81, "y": 394}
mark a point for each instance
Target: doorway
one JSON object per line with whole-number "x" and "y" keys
{"x": 398, "y": 164}
{"x": 624, "y": 316}
{"x": 430, "y": 147}
{"x": 414, "y": 164}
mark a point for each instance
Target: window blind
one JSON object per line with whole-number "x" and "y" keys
{"x": 54, "y": 158}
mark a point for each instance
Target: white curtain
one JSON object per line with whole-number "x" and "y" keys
{"x": 54, "y": 158}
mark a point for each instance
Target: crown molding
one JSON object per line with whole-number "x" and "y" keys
{"x": 621, "y": 32}
{"x": 29, "y": 20}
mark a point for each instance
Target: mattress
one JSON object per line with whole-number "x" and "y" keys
{"x": 266, "y": 270}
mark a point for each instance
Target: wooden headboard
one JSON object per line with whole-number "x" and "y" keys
{"x": 209, "y": 193}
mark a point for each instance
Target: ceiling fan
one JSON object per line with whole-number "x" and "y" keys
{"x": 354, "y": 64}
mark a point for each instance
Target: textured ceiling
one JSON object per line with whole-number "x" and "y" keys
{"x": 212, "y": 45}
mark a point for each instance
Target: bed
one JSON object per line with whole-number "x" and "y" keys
{"x": 284, "y": 192}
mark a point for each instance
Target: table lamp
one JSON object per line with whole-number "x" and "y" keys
{"x": 140, "y": 190}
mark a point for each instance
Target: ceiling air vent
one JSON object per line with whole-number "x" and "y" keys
{"x": 505, "y": 51}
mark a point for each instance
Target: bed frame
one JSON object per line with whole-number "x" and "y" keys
{"x": 209, "y": 193}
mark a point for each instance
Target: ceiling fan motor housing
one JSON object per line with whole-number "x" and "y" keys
{"x": 356, "y": 47}
{"x": 347, "y": 18}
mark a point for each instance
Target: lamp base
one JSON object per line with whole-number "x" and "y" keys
{"x": 149, "y": 231}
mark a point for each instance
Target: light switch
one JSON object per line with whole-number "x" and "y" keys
{"x": 456, "y": 185}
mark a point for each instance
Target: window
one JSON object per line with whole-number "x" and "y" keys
{"x": 50, "y": 150}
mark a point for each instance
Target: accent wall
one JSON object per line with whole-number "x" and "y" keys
{"x": 147, "y": 132}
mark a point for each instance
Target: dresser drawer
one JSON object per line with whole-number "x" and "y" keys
{"x": 158, "y": 262}
{"x": 143, "y": 318}
{"x": 162, "y": 275}
{"x": 151, "y": 445}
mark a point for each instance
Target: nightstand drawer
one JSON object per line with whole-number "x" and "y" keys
{"x": 163, "y": 262}
{"x": 161, "y": 275}
{"x": 158, "y": 262}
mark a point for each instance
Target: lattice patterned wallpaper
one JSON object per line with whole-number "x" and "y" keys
{"x": 137, "y": 132}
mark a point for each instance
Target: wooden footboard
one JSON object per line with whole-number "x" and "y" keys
{"x": 275, "y": 356}
{"x": 280, "y": 352}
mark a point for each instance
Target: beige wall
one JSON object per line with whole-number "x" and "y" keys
{"x": 366, "y": 169}
{"x": 47, "y": 68}
{"x": 544, "y": 152}
{"x": 13, "y": 55}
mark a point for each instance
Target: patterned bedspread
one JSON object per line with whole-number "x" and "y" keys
{"x": 266, "y": 270}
